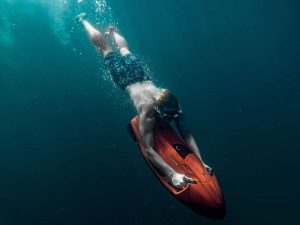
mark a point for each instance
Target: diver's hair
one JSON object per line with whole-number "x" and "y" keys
{"x": 166, "y": 98}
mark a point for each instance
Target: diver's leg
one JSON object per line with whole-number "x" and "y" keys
{"x": 95, "y": 36}
{"x": 120, "y": 41}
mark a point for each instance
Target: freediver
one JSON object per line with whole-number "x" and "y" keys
{"x": 154, "y": 105}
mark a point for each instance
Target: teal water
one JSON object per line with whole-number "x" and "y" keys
{"x": 65, "y": 157}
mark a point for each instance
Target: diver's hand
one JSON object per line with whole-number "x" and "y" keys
{"x": 180, "y": 180}
{"x": 209, "y": 169}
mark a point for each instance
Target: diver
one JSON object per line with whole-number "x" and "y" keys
{"x": 154, "y": 105}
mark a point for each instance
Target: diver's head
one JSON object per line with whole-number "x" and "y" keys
{"x": 166, "y": 106}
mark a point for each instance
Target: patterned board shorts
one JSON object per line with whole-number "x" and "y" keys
{"x": 125, "y": 70}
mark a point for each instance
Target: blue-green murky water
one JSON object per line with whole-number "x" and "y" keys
{"x": 65, "y": 157}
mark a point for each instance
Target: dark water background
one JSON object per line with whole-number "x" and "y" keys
{"x": 65, "y": 157}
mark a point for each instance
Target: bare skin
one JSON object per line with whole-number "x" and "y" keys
{"x": 142, "y": 94}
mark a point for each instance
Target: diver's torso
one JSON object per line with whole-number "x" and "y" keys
{"x": 142, "y": 93}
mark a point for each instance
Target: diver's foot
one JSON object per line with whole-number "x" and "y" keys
{"x": 110, "y": 31}
{"x": 80, "y": 17}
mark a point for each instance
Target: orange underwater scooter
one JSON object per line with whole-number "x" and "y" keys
{"x": 205, "y": 197}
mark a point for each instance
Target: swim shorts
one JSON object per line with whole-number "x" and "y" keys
{"x": 125, "y": 70}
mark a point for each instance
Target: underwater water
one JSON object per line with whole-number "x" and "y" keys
{"x": 65, "y": 156}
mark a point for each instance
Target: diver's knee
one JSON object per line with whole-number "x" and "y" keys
{"x": 124, "y": 51}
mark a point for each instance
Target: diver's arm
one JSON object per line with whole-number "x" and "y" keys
{"x": 187, "y": 135}
{"x": 189, "y": 139}
{"x": 147, "y": 123}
